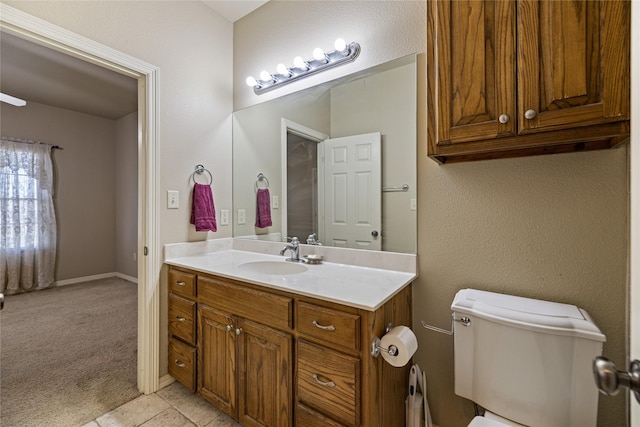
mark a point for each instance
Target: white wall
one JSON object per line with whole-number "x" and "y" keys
{"x": 192, "y": 46}
{"x": 550, "y": 227}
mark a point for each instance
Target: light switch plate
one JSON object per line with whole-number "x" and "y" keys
{"x": 241, "y": 216}
{"x": 276, "y": 202}
{"x": 173, "y": 199}
{"x": 413, "y": 204}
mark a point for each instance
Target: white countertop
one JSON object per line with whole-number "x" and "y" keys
{"x": 356, "y": 286}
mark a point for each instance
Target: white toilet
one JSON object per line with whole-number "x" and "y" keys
{"x": 525, "y": 361}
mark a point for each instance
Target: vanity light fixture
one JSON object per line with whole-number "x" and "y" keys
{"x": 321, "y": 61}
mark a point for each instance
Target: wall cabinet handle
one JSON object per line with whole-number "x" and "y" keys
{"x": 179, "y": 364}
{"x": 238, "y": 331}
{"x": 322, "y": 383}
{"x": 530, "y": 114}
{"x": 324, "y": 328}
{"x": 229, "y": 328}
{"x": 180, "y": 319}
{"x": 180, "y": 283}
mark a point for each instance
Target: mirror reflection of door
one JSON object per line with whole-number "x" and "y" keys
{"x": 302, "y": 186}
{"x": 352, "y": 192}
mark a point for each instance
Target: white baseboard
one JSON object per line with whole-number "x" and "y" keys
{"x": 94, "y": 277}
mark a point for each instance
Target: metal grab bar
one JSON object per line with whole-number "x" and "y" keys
{"x": 403, "y": 187}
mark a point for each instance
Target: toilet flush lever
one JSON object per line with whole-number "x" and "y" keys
{"x": 609, "y": 379}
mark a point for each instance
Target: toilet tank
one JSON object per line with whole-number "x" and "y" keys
{"x": 526, "y": 360}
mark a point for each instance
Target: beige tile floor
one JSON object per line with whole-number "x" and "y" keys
{"x": 172, "y": 406}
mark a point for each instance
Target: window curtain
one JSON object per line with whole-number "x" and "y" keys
{"x": 27, "y": 217}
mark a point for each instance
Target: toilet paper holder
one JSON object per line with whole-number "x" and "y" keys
{"x": 376, "y": 348}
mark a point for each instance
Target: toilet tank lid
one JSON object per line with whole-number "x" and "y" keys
{"x": 527, "y": 313}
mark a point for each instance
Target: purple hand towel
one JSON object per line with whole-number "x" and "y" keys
{"x": 263, "y": 208}
{"x": 203, "y": 211}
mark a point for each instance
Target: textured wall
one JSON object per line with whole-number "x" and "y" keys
{"x": 552, "y": 227}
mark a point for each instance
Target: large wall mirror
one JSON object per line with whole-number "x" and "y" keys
{"x": 338, "y": 161}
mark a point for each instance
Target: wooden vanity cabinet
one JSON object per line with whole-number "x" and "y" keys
{"x": 182, "y": 327}
{"x": 272, "y": 358}
{"x": 514, "y": 78}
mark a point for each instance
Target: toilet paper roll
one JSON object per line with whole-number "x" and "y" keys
{"x": 405, "y": 342}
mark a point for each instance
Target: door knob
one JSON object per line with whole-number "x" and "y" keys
{"x": 374, "y": 233}
{"x": 609, "y": 379}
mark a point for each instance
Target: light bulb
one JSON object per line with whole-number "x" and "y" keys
{"x": 340, "y": 45}
{"x": 283, "y": 70}
{"x": 251, "y": 81}
{"x": 265, "y": 76}
{"x": 319, "y": 55}
{"x": 298, "y": 62}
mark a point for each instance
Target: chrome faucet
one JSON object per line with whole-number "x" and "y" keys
{"x": 311, "y": 240}
{"x": 294, "y": 247}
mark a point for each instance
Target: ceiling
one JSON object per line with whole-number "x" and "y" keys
{"x": 42, "y": 75}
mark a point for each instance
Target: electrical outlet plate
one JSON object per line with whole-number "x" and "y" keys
{"x": 241, "y": 216}
{"x": 224, "y": 217}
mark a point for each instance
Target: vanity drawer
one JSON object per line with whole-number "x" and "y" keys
{"x": 327, "y": 382}
{"x": 332, "y": 326}
{"x": 182, "y": 315}
{"x": 182, "y": 363}
{"x": 306, "y": 417}
{"x": 264, "y": 307}
{"x": 182, "y": 283}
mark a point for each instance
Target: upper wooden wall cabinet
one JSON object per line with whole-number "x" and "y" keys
{"x": 513, "y": 78}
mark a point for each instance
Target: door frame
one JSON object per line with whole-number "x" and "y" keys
{"x": 39, "y": 31}
{"x": 311, "y": 134}
{"x": 634, "y": 222}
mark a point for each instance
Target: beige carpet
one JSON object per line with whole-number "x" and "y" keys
{"x": 67, "y": 354}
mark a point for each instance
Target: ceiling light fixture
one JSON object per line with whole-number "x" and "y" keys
{"x": 321, "y": 61}
{"x": 12, "y": 100}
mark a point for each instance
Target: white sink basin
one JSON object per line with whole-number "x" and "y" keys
{"x": 276, "y": 268}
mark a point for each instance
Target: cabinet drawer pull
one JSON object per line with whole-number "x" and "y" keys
{"x": 179, "y": 364}
{"x": 322, "y": 383}
{"x": 180, "y": 319}
{"x": 324, "y": 328}
{"x": 180, "y": 283}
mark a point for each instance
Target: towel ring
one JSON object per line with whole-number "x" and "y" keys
{"x": 260, "y": 178}
{"x": 199, "y": 170}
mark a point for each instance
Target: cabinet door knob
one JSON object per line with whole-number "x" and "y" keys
{"x": 324, "y": 328}
{"x": 530, "y": 114}
{"x": 238, "y": 331}
{"x": 179, "y": 364}
{"x": 229, "y": 328}
{"x": 322, "y": 383}
{"x": 180, "y": 319}
{"x": 504, "y": 118}
{"x": 180, "y": 283}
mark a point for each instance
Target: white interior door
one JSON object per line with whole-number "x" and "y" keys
{"x": 352, "y": 192}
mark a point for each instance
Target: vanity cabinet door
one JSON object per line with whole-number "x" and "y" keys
{"x": 217, "y": 358}
{"x": 265, "y": 375}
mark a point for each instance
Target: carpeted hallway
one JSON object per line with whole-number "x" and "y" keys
{"x": 67, "y": 354}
